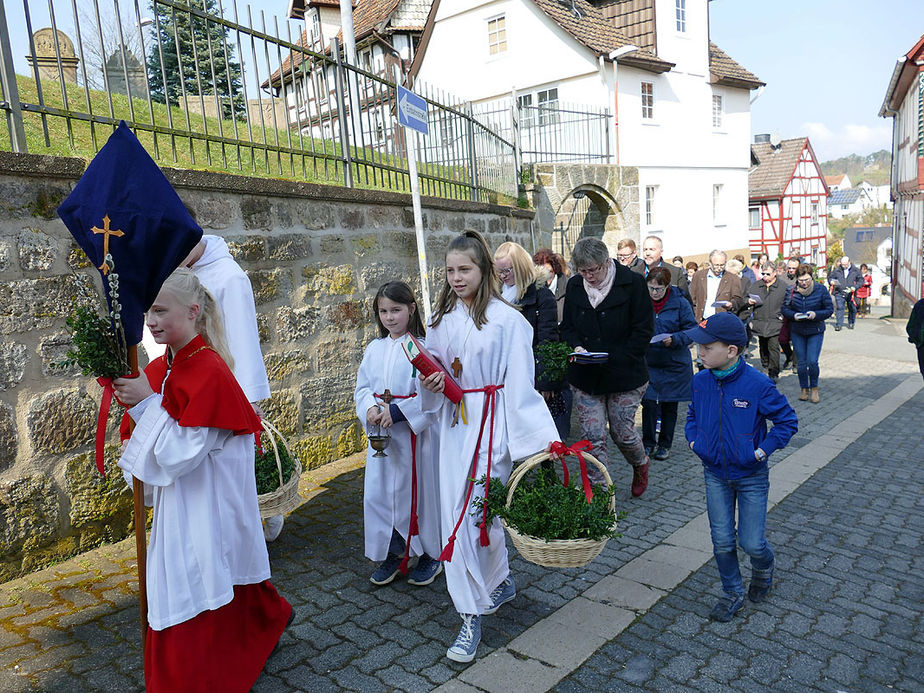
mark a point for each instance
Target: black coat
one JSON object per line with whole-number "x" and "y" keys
{"x": 840, "y": 281}
{"x": 622, "y": 324}
{"x": 539, "y": 308}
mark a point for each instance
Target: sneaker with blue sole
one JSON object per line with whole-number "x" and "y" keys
{"x": 425, "y": 571}
{"x": 726, "y": 608}
{"x": 502, "y": 594}
{"x": 463, "y": 649}
{"x": 386, "y": 571}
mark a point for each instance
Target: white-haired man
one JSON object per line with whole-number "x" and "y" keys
{"x": 844, "y": 280}
{"x": 714, "y": 290}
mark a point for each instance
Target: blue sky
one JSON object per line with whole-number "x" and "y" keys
{"x": 826, "y": 63}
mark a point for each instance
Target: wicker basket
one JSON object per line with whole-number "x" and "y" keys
{"x": 285, "y": 498}
{"x": 555, "y": 553}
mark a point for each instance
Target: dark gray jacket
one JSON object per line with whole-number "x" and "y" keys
{"x": 767, "y": 318}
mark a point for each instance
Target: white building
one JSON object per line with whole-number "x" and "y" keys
{"x": 904, "y": 103}
{"x": 680, "y": 107}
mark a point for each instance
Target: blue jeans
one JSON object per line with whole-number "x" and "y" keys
{"x": 840, "y": 302}
{"x": 750, "y": 495}
{"x": 808, "y": 349}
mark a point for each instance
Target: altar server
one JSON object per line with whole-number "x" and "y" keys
{"x": 214, "y": 617}
{"x": 213, "y": 265}
{"x": 401, "y": 492}
{"x": 487, "y": 344}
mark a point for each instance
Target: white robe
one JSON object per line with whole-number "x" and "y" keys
{"x": 387, "y": 490}
{"x": 206, "y": 534}
{"x": 500, "y": 353}
{"x": 231, "y": 287}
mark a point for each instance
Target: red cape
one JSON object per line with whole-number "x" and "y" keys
{"x": 201, "y": 391}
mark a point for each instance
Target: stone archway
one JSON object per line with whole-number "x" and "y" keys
{"x": 606, "y": 205}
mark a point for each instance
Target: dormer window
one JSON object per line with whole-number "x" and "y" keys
{"x": 680, "y": 15}
{"x": 497, "y": 35}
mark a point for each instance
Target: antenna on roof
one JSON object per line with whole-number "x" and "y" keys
{"x": 775, "y": 140}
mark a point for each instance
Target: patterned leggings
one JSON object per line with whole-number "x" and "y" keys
{"x": 619, "y": 409}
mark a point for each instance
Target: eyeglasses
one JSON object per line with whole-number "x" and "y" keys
{"x": 656, "y": 289}
{"x": 716, "y": 265}
{"x": 505, "y": 272}
{"x": 804, "y": 280}
{"x": 586, "y": 271}
{"x": 624, "y": 256}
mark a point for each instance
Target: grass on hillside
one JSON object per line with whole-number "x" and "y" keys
{"x": 313, "y": 160}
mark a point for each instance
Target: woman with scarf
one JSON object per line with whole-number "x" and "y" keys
{"x": 807, "y": 305}
{"x": 607, "y": 310}
{"x": 670, "y": 367}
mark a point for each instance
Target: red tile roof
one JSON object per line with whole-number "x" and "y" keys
{"x": 771, "y": 176}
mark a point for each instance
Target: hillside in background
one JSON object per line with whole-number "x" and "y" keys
{"x": 874, "y": 167}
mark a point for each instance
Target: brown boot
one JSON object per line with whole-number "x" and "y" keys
{"x": 639, "y": 479}
{"x": 814, "y": 398}
{"x": 804, "y": 395}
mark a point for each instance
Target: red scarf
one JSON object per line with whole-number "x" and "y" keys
{"x": 659, "y": 304}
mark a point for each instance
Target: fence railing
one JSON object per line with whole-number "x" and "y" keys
{"x": 550, "y": 133}
{"x": 203, "y": 89}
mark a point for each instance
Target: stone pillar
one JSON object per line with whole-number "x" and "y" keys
{"x": 46, "y": 58}
{"x": 132, "y": 74}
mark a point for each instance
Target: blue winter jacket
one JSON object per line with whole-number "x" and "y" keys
{"x": 670, "y": 368}
{"x": 819, "y": 301}
{"x": 727, "y": 421}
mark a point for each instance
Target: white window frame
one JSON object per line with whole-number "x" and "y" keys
{"x": 814, "y": 208}
{"x": 547, "y": 101}
{"x": 651, "y": 193}
{"x": 754, "y": 213}
{"x": 526, "y": 110}
{"x": 680, "y": 16}
{"x": 316, "y": 25}
{"x": 497, "y": 35}
{"x": 717, "y": 189}
{"x": 647, "y": 100}
{"x": 718, "y": 111}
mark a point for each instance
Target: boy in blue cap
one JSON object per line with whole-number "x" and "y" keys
{"x": 727, "y": 428}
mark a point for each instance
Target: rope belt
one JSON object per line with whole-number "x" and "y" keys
{"x": 490, "y": 397}
{"x": 413, "y": 529}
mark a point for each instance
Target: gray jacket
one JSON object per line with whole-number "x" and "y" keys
{"x": 767, "y": 318}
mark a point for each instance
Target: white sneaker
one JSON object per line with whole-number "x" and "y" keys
{"x": 272, "y": 527}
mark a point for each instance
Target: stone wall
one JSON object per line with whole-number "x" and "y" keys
{"x": 315, "y": 256}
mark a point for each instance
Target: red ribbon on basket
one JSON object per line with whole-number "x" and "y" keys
{"x": 562, "y": 450}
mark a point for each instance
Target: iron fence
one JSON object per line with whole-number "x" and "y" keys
{"x": 206, "y": 90}
{"x": 552, "y": 132}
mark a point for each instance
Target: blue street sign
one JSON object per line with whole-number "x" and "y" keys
{"x": 412, "y": 110}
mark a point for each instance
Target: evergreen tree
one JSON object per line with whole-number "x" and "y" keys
{"x": 210, "y": 40}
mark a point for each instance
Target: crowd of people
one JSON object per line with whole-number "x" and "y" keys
{"x": 629, "y": 322}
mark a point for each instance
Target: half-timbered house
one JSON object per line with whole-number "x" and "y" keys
{"x": 904, "y": 103}
{"x": 787, "y": 200}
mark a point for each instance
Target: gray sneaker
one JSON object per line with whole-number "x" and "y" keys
{"x": 463, "y": 649}
{"x": 502, "y": 594}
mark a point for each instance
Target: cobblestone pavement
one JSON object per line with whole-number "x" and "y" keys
{"x": 846, "y": 613}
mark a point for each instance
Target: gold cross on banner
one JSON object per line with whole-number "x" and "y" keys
{"x": 107, "y": 232}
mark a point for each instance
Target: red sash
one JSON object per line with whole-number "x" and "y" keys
{"x": 413, "y": 529}
{"x": 490, "y": 397}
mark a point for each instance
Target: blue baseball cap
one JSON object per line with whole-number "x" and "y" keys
{"x": 721, "y": 327}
